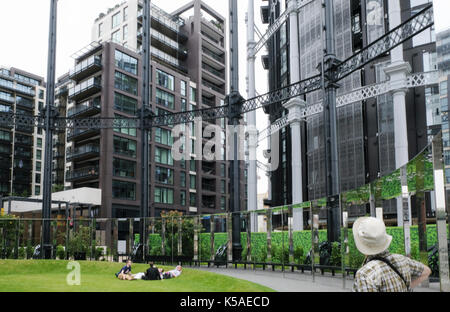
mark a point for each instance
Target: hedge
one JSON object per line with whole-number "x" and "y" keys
{"x": 300, "y": 239}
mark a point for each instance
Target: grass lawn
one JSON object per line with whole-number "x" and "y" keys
{"x": 50, "y": 276}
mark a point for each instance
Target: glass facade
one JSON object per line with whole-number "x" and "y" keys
{"x": 165, "y": 99}
{"x": 125, "y": 147}
{"x": 126, "y": 62}
{"x": 124, "y": 168}
{"x": 125, "y": 104}
{"x": 163, "y": 156}
{"x": 165, "y": 80}
{"x": 163, "y": 196}
{"x": 164, "y": 175}
{"x": 125, "y": 83}
{"x": 124, "y": 190}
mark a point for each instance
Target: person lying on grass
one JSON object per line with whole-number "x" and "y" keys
{"x": 125, "y": 272}
{"x": 173, "y": 273}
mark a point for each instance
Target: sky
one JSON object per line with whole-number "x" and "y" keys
{"x": 24, "y": 31}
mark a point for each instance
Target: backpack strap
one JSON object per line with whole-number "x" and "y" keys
{"x": 393, "y": 268}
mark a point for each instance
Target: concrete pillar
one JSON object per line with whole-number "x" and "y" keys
{"x": 294, "y": 107}
{"x": 252, "y": 178}
{"x": 398, "y": 71}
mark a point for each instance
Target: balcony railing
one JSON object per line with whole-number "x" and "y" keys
{"x": 82, "y": 174}
{"x": 85, "y": 108}
{"x": 86, "y": 68}
{"x": 211, "y": 38}
{"x": 219, "y": 27}
{"x": 213, "y": 71}
{"x": 213, "y": 86}
{"x": 83, "y": 151}
{"x": 17, "y": 87}
{"x": 218, "y": 58}
{"x": 209, "y": 187}
{"x": 208, "y": 102}
{"x": 85, "y": 89}
{"x": 81, "y": 133}
{"x": 6, "y": 97}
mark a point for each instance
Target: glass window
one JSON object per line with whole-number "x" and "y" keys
{"x": 193, "y": 199}
{"x": 124, "y": 190}
{"x": 115, "y": 37}
{"x": 375, "y": 19}
{"x": 38, "y": 166}
{"x": 165, "y": 99}
{"x": 183, "y": 179}
{"x": 125, "y": 147}
{"x": 124, "y": 168}
{"x": 164, "y": 175}
{"x": 5, "y": 136}
{"x": 193, "y": 95}
{"x": 163, "y": 196}
{"x": 39, "y": 142}
{"x": 163, "y": 136}
{"x": 183, "y": 88}
{"x": 39, "y": 154}
{"x": 183, "y": 198}
{"x": 222, "y": 170}
{"x": 100, "y": 29}
{"x": 126, "y": 62}
{"x": 116, "y": 20}
{"x": 37, "y": 178}
{"x": 125, "y": 14}
{"x": 165, "y": 80}
{"x": 127, "y": 131}
{"x": 163, "y": 156}
{"x": 125, "y": 104}
{"x": 126, "y": 83}
{"x": 193, "y": 182}
{"x": 37, "y": 190}
{"x": 223, "y": 203}
{"x": 193, "y": 166}
{"x": 125, "y": 32}
{"x": 183, "y": 105}
{"x": 223, "y": 186}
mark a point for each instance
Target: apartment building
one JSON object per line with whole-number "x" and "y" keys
{"x": 21, "y": 147}
{"x": 366, "y": 128}
{"x": 188, "y": 72}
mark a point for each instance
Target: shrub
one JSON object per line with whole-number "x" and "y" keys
{"x": 60, "y": 252}
{"x": 98, "y": 253}
{"x": 299, "y": 255}
{"x": 22, "y": 253}
{"x": 29, "y": 250}
{"x": 336, "y": 259}
{"x": 156, "y": 251}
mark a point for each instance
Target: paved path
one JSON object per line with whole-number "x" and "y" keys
{"x": 297, "y": 282}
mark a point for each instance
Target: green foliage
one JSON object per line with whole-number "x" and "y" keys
{"x": 299, "y": 255}
{"x": 98, "y": 253}
{"x": 336, "y": 259}
{"x": 60, "y": 252}
{"x": 29, "y": 250}
{"x": 79, "y": 241}
{"x": 22, "y": 253}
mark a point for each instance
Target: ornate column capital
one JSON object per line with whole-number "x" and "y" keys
{"x": 295, "y": 107}
{"x": 398, "y": 73}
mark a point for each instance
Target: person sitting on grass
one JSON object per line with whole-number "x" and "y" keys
{"x": 152, "y": 274}
{"x": 125, "y": 272}
{"x": 173, "y": 273}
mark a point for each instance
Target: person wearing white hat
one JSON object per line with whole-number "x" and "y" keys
{"x": 383, "y": 271}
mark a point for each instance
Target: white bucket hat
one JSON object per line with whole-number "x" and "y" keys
{"x": 370, "y": 236}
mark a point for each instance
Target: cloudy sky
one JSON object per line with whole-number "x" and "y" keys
{"x": 24, "y": 32}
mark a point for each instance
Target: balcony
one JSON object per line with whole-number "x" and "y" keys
{"x": 81, "y": 134}
{"x": 24, "y": 102}
{"x": 209, "y": 202}
{"x": 85, "y": 89}
{"x": 213, "y": 75}
{"x": 213, "y": 58}
{"x": 83, "y": 152}
{"x": 209, "y": 168}
{"x": 212, "y": 39}
{"x": 85, "y": 109}
{"x": 216, "y": 26}
{"x": 83, "y": 174}
{"x": 170, "y": 60}
{"x": 209, "y": 185}
{"x": 6, "y": 97}
{"x": 168, "y": 45}
{"x": 86, "y": 68}
{"x": 208, "y": 102}
{"x": 214, "y": 87}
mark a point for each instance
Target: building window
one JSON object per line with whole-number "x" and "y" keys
{"x": 223, "y": 186}
{"x": 183, "y": 105}
{"x": 39, "y": 142}
{"x": 183, "y": 179}
{"x": 125, "y": 14}
{"x": 193, "y": 166}
{"x": 223, "y": 203}
{"x": 183, "y": 88}
{"x": 183, "y": 198}
{"x": 125, "y": 104}
{"x": 37, "y": 190}
{"x": 126, "y": 62}
{"x": 39, "y": 154}
{"x": 124, "y": 190}
{"x": 165, "y": 99}
{"x": 163, "y": 196}
{"x": 193, "y": 199}
{"x": 125, "y": 32}
{"x": 163, "y": 136}
{"x": 193, "y": 95}
{"x": 164, "y": 175}
{"x": 124, "y": 168}
{"x": 192, "y": 182}
{"x": 38, "y": 166}
{"x": 127, "y": 131}
{"x": 115, "y": 37}
{"x": 125, "y": 147}
{"x": 223, "y": 172}
{"x": 37, "y": 178}
{"x": 165, "y": 80}
{"x": 126, "y": 83}
{"x": 100, "y": 30}
{"x": 163, "y": 156}
{"x": 116, "y": 20}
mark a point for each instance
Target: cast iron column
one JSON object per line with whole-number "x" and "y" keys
{"x": 234, "y": 102}
{"x": 330, "y": 122}
{"x": 145, "y": 130}
{"x": 49, "y": 114}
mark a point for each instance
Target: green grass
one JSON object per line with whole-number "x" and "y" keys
{"x": 50, "y": 276}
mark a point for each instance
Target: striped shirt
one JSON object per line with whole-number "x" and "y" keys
{"x": 377, "y": 276}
